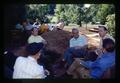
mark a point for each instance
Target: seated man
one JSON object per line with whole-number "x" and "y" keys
{"x": 36, "y": 23}
{"x": 103, "y": 33}
{"x": 60, "y": 25}
{"x": 35, "y": 37}
{"x": 94, "y": 69}
{"x": 76, "y": 45}
{"x": 27, "y": 67}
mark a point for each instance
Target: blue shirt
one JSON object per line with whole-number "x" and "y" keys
{"x": 80, "y": 41}
{"x": 98, "y": 67}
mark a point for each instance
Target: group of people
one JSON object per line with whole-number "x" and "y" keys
{"x": 28, "y": 24}
{"x": 78, "y": 68}
{"x": 28, "y": 67}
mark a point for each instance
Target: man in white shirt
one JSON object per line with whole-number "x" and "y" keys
{"x": 27, "y": 67}
{"x": 35, "y": 37}
{"x": 76, "y": 45}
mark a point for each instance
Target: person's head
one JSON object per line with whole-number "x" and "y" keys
{"x": 75, "y": 32}
{"x": 108, "y": 45}
{"x": 102, "y": 31}
{"x": 34, "y": 31}
{"x": 37, "y": 20}
{"x": 34, "y": 50}
{"x": 24, "y": 23}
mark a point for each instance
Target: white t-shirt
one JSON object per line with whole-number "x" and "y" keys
{"x": 35, "y": 39}
{"x": 80, "y": 41}
{"x": 28, "y": 68}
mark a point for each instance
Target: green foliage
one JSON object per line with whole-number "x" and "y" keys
{"x": 103, "y": 11}
{"x": 61, "y": 12}
{"x": 36, "y": 10}
{"x": 91, "y": 13}
{"x": 111, "y": 24}
{"x": 70, "y": 13}
{"x": 54, "y": 19}
{"x": 75, "y": 13}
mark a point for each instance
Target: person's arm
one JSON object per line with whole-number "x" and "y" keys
{"x": 86, "y": 64}
{"x": 34, "y": 23}
{"x": 30, "y": 40}
{"x": 44, "y": 41}
{"x": 78, "y": 47}
{"x": 85, "y": 40}
{"x": 99, "y": 51}
{"x": 96, "y": 72}
{"x": 39, "y": 73}
{"x": 70, "y": 43}
{"x": 47, "y": 72}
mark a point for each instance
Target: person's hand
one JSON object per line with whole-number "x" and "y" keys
{"x": 47, "y": 72}
{"x": 77, "y": 47}
{"x": 98, "y": 51}
{"x": 44, "y": 42}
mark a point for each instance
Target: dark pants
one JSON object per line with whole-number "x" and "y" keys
{"x": 70, "y": 52}
{"x": 8, "y": 73}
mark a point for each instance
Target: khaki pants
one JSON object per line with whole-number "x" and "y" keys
{"x": 77, "y": 70}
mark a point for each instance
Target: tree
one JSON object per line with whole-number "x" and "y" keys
{"x": 91, "y": 13}
{"x": 36, "y": 10}
{"x": 80, "y": 14}
{"x": 111, "y": 24}
{"x": 71, "y": 13}
{"x": 51, "y": 8}
{"x": 103, "y": 11}
{"x": 86, "y": 16}
{"x": 61, "y": 12}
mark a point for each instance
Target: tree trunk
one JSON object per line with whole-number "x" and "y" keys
{"x": 86, "y": 26}
{"x": 80, "y": 24}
